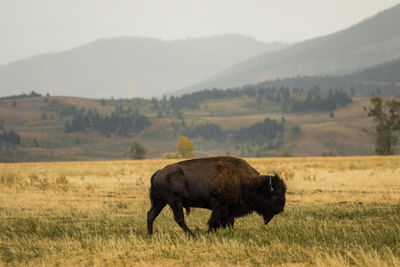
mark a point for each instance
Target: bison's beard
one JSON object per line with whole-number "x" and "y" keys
{"x": 267, "y": 218}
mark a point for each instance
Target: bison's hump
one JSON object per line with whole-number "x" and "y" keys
{"x": 227, "y": 174}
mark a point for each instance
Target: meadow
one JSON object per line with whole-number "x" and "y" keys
{"x": 340, "y": 211}
{"x": 350, "y": 132}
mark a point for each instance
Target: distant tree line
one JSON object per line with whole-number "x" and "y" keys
{"x": 267, "y": 131}
{"x": 191, "y": 101}
{"x": 120, "y": 122}
{"x": 10, "y": 137}
{"x": 207, "y": 131}
{"x": 23, "y": 95}
{"x": 260, "y": 132}
{"x": 8, "y": 144}
{"x": 314, "y": 102}
{"x": 290, "y": 100}
{"x": 378, "y": 80}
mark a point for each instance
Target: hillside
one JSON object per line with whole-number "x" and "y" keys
{"x": 381, "y": 79}
{"x": 129, "y": 66}
{"x": 368, "y": 43}
{"x": 239, "y": 123}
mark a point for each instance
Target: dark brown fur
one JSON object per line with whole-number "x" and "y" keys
{"x": 228, "y": 186}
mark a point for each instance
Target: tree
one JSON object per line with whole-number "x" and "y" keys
{"x": 44, "y": 116}
{"x": 10, "y": 137}
{"x": 185, "y": 147}
{"x": 137, "y": 151}
{"x": 9, "y": 141}
{"x": 35, "y": 142}
{"x": 387, "y": 116}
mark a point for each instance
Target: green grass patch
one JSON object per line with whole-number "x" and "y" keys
{"x": 57, "y": 235}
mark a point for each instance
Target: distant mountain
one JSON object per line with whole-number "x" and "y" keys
{"x": 129, "y": 66}
{"x": 383, "y": 79}
{"x": 388, "y": 72}
{"x": 368, "y": 43}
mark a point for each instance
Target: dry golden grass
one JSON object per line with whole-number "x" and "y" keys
{"x": 350, "y": 132}
{"x": 340, "y": 211}
{"x": 337, "y": 179}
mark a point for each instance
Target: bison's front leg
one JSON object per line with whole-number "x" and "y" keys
{"x": 217, "y": 220}
{"x": 177, "y": 209}
{"x": 220, "y": 217}
{"x": 213, "y": 225}
{"x": 230, "y": 221}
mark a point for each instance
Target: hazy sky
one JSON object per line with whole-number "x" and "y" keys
{"x": 30, "y": 27}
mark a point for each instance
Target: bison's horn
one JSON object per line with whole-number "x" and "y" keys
{"x": 270, "y": 189}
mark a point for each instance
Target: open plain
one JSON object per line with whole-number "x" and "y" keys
{"x": 340, "y": 211}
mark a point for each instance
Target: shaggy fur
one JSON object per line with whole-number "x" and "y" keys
{"x": 228, "y": 186}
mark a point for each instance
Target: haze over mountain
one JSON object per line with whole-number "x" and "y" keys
{"x": 129, "y": 66}
{"x": 382, "y": 79}
{"x": 368, "y": 43}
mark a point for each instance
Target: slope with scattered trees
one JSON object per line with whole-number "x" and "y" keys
{"x": 251, "y": 121}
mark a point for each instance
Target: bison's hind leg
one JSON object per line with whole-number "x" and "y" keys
{"x": 157, "y": 206}
{"x": 152, "y": 215}
{"x": 177, "y": 209}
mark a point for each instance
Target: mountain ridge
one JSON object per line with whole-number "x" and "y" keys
{"x": 128, "y": 66}
{"x": 382, "y": 79}
{"x": 337, "y": 53}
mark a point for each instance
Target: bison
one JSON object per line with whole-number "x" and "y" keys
{"x": 227, "y": 186}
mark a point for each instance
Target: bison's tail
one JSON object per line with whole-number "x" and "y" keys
{"x": 153, "y": 196}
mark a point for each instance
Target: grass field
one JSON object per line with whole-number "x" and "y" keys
{"x": 340, "y": 211}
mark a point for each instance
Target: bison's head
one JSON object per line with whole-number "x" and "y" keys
{"x": 272, "y": 190}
